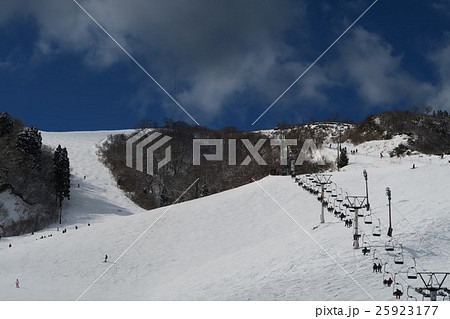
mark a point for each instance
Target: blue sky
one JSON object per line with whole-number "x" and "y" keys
{"x": 229, "y": 60}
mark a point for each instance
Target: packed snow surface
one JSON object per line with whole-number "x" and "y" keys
{"x": 256, "y": 242}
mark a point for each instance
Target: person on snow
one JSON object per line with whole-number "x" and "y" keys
{"x": 106, "y": 258}
{"x": 17, "y": 283}
{"x": 379, "y": 267}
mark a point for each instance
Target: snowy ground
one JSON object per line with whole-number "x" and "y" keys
{"x": 236, "y": 245}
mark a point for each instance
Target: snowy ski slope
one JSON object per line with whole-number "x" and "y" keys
{"x": 256, "y": 242}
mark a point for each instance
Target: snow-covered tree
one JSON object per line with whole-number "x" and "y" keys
{"x": 343, "y": 158}
{"x": 29, "y": 141}
{"x": 61, "y": 169}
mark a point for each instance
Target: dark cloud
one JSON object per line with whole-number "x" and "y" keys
{"x": 221, "y": 49}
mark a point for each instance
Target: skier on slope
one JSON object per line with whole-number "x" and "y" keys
{"x": 106, "y": 258}
{"x": 17, "y": 283}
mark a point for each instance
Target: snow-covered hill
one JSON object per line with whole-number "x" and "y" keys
{"x": 256, "y": 242}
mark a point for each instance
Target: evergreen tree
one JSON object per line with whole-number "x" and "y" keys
{"x": 61, "y": 169}
{"x": 6, "y": 124}
{"x": 343, "y": 158}
{"x": 29, "y": 141}
{"x": 205, "y": 190}
{"x": 163, "y": 197}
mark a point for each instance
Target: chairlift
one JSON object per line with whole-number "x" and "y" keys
{"x": 412, "y": 271}
{"x": 337, "y": 208}
{"x": 375, "y": 259}
{"x": 330, "y": 207}
{"x": 409, "y": 296}
{"x": 368, "y": 219}
{"x": 340, "y": 197}
{"x": 397, "y": 289}
{"x": 425, "y": 295}
{"x": 376, "y": 231}
{"x": 387, "y": 277}
{"x": 389, "y": 245}
{"x": 365, "y": 246}
{"x": 442, "y": 294}
{"x": 360, "y": 212}
{"x": 398, "y": 259}
{"x": 334, "y": 191}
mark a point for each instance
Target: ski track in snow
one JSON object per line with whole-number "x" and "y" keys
{"x": 236, "y": 245}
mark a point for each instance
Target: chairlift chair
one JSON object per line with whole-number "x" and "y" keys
{"x": 365, "y": 245}
{"x": 409, "y": 296}
{"x": 386, "y": 275}
{"x": 397, "y": 289}
{"x": 389, "y": 245}
{"x": 442, "y": 294}
{"x": 398, "y": 259}
{"x": 334, "y": 191}
{"x": 360, "y": 212}
{"x": 337, "y": 207}
{"x": 375, "y": 259}
{"x": 368, "y": 219}
{"x": 340, "y": 197}
{"x": 330, "y": 207}
{"x": 376, "y": 231}
{"x": 412, "y": 271}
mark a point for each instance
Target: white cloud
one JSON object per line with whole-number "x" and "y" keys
{"x": 441, "y": 59}
{"x": 368, "y": 63}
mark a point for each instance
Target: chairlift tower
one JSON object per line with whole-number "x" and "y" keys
{"x": 357, "y": 203}
{"x": 367, "y": 190}
{"x": 323, "y": 179}
{"x": 433, "y": 284}
{"x": 388, "y": 194}
{"x": 338, "y": 146}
